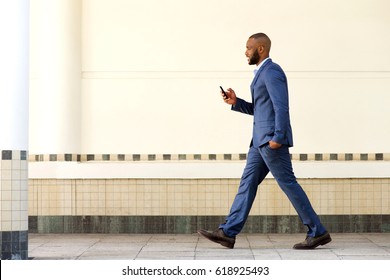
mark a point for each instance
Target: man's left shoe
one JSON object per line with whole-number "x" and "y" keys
{"x": 313, "y": 242}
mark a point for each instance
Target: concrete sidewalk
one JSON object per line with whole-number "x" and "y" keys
{"x": 346, "y": 246}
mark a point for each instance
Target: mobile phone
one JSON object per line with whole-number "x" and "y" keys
{"x": 224, "y": 93}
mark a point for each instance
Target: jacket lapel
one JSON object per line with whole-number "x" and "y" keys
{"x": 258, "y": 75}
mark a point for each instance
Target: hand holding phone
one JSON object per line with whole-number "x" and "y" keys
{"x": 231, "y": 99}
{"x": 224, "y": 93}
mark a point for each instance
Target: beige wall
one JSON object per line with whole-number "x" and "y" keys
{"x": 150, "y": 72}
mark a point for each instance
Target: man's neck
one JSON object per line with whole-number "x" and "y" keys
{"x": 262, "y": 60}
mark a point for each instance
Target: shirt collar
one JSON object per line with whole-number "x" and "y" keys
{"x": 261, "y": 64}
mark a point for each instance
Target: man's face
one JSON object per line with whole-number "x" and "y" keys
{"x": 252, "y": 52}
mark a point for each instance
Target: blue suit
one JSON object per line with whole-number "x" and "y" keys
{"x": 269, "y": 106}
{"x": 270, "y": 109}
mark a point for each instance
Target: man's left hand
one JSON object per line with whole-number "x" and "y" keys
{"x": 274, "y": 145}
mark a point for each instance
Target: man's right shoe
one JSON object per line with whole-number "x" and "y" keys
{"x": 218, "y": 236}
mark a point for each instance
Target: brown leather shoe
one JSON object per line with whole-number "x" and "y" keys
{"x": 218, "y": 236}
{"x": 313, "y": 242}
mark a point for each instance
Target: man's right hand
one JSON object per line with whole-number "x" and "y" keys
{"x": 231, "y": 97}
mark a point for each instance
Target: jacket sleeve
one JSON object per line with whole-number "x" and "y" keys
{"x": 243, "y": 107}
{"x": 276, "y": 83}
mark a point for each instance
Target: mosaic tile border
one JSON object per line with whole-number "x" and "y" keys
{"x": 202, "y": 157}
{"x": 190, "y": 224}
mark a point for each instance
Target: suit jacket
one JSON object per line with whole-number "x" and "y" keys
{"x": 269, "y": 106}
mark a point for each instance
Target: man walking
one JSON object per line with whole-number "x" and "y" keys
{"x": 269, "y": 149}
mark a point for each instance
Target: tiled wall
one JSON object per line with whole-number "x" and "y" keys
{"x": 198, "y": 199}
{"x": 183, "y": 205}
{"x": 14, "y": 187}
{"x": 14, "y": 200}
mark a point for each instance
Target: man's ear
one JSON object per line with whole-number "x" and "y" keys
{"x": 261, "y": 49}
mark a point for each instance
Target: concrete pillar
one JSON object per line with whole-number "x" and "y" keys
{"x": 14, "y": 84}
{"x": 55, "y": 96}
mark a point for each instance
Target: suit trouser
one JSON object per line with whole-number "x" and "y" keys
{"x": 259, "y": 162}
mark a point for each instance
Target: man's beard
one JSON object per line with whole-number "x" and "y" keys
{"x": 255, "y": 58}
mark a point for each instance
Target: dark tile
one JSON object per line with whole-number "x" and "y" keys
{"x": 348, "y": 156}
{"x": 151, "y": 157}
{"x": 363, "y": 156}
{"x": 171, "y": 224}
{"x": 131, "y": 224}
{"x": 69, "y": 224}
{"x": 136, "y": 157}
{"x": 166, "y": 157}
{"x": 385, "y": 226}
{"x": 302, "y": 157}
{"x": 333, "y": 157}
{"x": 68, "y": 157}
{"x": 156, "y": 224}
{"x": 24, "y": 255}
{"x": 318, "y": 156}
{"x": 23, "y": 236}
{"x": 99, "y": 224}
{"x": 182, "y": 157}
{"x": 52, "y": 157}
{"x": 197, "y": 157}
{"x": 50, "y": 224}
{"x": 5, "y": 255}
{"x": 14, "y": 245}
{"x": 227, "y": 156}
{"x": 212, "y": 156}
{"x": 140, "y": 224}
{"x": 57, "y": 224}
{"x": 33, "y": 224}
{"x": 296, "y": 225}
{"x": 185, "y": 224}
{"x": 123, "y": 224}
{"x": 248, "y": 225}
{"x": 6, "y": 246}
{"x": 347, "y": 223}
{"x": 271, "y": 224}
{"x": 152, "y": 224}
{"x": 121, "y": 157}
{"x": 333, "y": 223}
{"x": 6, "y": 236}
{"x": 375, "y": 223}
{"x": 212, "y": 222}
{"x": 6, "y": 155}
{"x": 23, "y": 155}
{"x": 77, "y": 224}
{"x": 242, "y": 156}
{"x": 253, "y": 224}
{"x": 86, "y": 224}
{"x": 90, "y": 157}
{"x": 15, "y": 236}
{"x": 263, "y": 224}
{"x": 378, "y": 156}
{"x": 113, "y": 224}
{"x": 106, "y": 157}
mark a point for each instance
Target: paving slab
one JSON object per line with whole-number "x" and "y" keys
{"x": 348, "y": 246}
